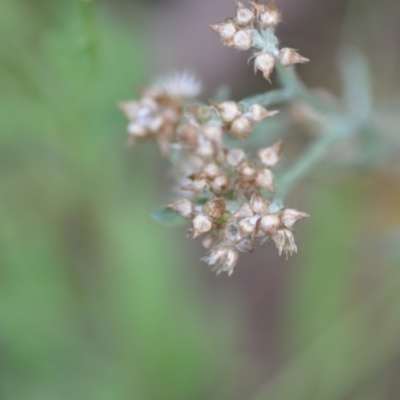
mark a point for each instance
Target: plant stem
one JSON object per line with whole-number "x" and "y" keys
{"x": 339, "y": 127}
{"x": 334, "y": 132}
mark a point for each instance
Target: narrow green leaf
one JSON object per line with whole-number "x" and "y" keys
{"x": 168, "y": 217}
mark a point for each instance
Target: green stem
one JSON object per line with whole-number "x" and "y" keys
{"x": 340, "y": 127}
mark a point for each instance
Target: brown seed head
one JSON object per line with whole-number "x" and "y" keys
{"x": 201, "y": 224}
{"x": 270, "y": 16}
{"x": 259, "y": 204}
{"x": 228, "y": 110}
{"x": 270, "y": 224}
{"x": 241, "y": 127}
{"x": 225, "y": 30}
{"x": 242, "y": 40}
{"x": 265, "y": 63}
{"x": 220, "y": 184}
{"x": 244, "y": 16}
{"x": 247, "y": 226}
{"x": 247, "y": 171}
{"x": 215, "y": 208}
{"x": 269, "y": 156}
{"x": 265, "y": 179}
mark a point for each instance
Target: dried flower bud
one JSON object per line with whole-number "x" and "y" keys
{"x": 220, "y": 184}
{"x": 242, "y": 40}
{"x": 201, "y": 224}
{"x": 228, "y": 110}
{"x": 288, "y": 57}
{"x": 247, "y": 171}
{"x": 223, "y": 258}
{"x": 258, "y": 113}
{"x": 270, "y": 17}
{"x": 270, "y": 224}
{"x": 241, "y": 127}
{"x": 259, "y": 204}
{"x": 187, "y": 134}
{"x": 244, "y": 211}
{"x": 269, "y": 156}
{"x": 231, "y": 260}
{"x": 247, "y": 226}
{"x": 215, "y": 208}
{"x": 226, "y": 30}
{"x": 244, "y": 16}
{"x": 284, "y": 241}
{"x": 289, "y": 217}
{"x": 211, "y": 171}
{"x": 235, "y": 157}
{"x": 265, "y": 179}
{"x": 184, "y": 207}
{"x": 265, "y": 63}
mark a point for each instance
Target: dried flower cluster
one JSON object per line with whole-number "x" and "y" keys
{"x": 223, "y": 192}
{"x": 255, "y": 27}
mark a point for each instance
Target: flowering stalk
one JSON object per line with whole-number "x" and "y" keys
{"x": 229, "y": 196}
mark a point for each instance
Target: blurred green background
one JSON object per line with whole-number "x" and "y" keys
{"x": 97, "y": 301}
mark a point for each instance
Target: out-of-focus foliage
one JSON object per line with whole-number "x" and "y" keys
{"x": 88, "y": 307}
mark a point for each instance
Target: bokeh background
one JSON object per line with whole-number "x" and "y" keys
{"x": 98, "y": 301}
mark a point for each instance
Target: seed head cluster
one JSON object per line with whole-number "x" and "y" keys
{"x": 254, "y": 27}
{"x": 224, "y": 194}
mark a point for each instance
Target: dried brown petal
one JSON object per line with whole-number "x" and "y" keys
{"x": 289, "y": 217}
{"x": 284, "y": 241}
{"x": 288, "y": 57}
